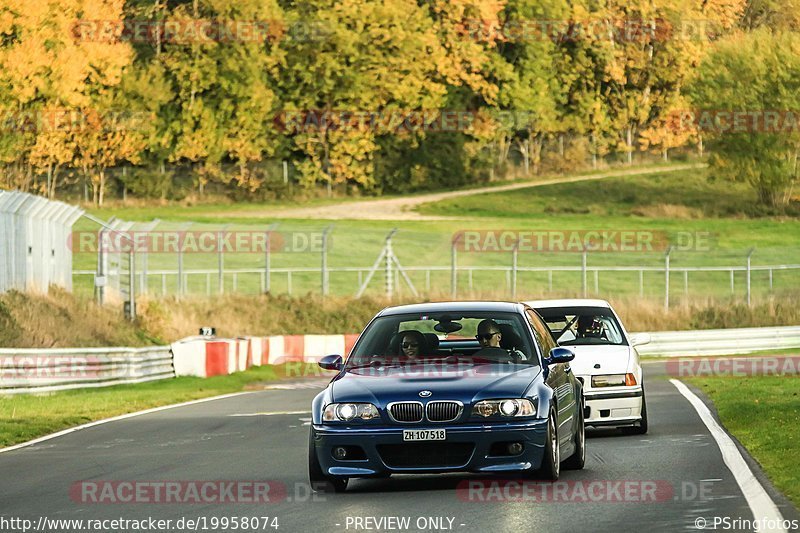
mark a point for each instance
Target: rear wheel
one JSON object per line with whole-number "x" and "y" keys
{"x": 578, "y": 459}
{"x": 319, "y": 481}
{"x": 641, "y": 427}
{"x": 551, "y": 462}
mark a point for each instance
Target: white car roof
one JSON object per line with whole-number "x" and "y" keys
{"x": 569, "y": 302}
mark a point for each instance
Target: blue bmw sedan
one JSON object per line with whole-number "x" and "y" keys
{"x": 448, "y": 387}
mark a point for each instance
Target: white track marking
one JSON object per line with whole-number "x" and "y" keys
{"x": 757, "y": 498}
{"x": 114, "y": 419}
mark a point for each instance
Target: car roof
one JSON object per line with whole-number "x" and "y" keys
{"x": 568, "y": 302}
{"x": 438, "y": 307}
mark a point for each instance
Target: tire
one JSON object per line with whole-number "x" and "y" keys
{"x": 551, "y": 462}
{"x": 316, "y": 477}
{"x": 641, "y": 427}
{"x": 578, "y": 459}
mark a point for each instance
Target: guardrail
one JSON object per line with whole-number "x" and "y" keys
{"x": 720, "y": 341}
{"x": 35, "y": 371}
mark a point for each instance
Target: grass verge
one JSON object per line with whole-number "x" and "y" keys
{"x": 25, "y": 417}
{"x": 763, "y": 412}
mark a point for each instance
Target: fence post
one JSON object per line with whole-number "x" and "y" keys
{"x": 514, "y": 258}
{"x": 686, "y": 284}
{"x": 131, "y": 285}
{"x": 641, "y": 284}
{"x": 454, "y": 267}
{"x": 268, "y": 258}
{"x": 221, "y": 261}
{"x": 324, "y": 267}
{"x": 666, "y": 278}
{"x": 749, "y": 255}
{"x": 388, "y": 267}
{"x": 583, "y": 272}
{"x": 100, "y": 278}
{"x": 181, "y": 242}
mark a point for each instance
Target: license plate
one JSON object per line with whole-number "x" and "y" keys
{"x": 424, "y": 434}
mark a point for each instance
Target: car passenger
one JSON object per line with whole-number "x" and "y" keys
{"x": 412, "y": 343}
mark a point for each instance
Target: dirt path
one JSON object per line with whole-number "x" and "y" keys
{"x": 403, "y": 208}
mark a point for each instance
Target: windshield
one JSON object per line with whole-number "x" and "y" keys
{"x": 575, "y": 326}
{"x": 452, "y": 337}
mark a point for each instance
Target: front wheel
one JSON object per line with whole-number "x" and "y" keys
{"x": 577, "y": 460}
{"x": 319, "y": 481}
{"x": 551, "y": 462}
{"x": 641, "y": 427}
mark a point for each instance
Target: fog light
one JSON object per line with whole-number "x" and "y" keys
{"x": 340, "y": 452}
{"x": 514, "y": 448}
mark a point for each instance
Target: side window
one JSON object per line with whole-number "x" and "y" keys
{"x": 541, "y": 332}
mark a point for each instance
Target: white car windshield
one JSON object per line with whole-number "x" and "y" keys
{"x": 575, "y": 326}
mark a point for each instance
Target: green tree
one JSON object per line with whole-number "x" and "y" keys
{"x": 756, "y": 75}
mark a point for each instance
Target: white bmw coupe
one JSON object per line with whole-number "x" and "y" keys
{"x": 606, "y": 360}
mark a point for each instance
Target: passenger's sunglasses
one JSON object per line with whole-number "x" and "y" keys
{"x": 487, "y": 336}
{"x": 410, "y": 345}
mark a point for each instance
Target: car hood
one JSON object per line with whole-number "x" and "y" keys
{"x": 612, "y": 359}
{"x": 404, "y": 383}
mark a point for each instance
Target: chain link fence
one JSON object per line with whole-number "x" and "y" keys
{"x": 125, "y": 259}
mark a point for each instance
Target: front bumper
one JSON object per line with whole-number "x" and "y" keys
{"x": 474, "y": 440}
{"x": 613, "y": 408}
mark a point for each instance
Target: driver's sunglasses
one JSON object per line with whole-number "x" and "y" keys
{"x": 410, "y": 345}
{"x": 487, "y": 336}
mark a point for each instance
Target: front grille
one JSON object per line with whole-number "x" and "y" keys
{"x": 406, "y": 411}
{"x": 426, "y": 454}
{"x": 443, "y": 411}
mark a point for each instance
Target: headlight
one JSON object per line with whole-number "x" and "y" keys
{"x": 614, "y": 380}
{"x": 507, "y": 408}
{"x": 345, "y": 412}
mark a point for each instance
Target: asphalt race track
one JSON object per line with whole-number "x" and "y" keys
{"x": 249, "y": 438}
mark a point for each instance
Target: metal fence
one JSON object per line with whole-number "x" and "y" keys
{"x": 35, "y": 249}
{"x": 301, "y": 257}
{"x": 33, "y": 370}
{"x": 720, "y": 341}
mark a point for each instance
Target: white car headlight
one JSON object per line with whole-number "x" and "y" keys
{"x": 614, "y": 380}
{"x": 511, "y": 407}
{"x": 345, "y": 412}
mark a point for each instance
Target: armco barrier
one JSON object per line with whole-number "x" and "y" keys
{"x": 30, "y": 370}
{"x": 720, "y": 341}
{"x": 33, "y": 370}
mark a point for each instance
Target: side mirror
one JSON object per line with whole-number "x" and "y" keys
{"x": 559, "y": 355}
{"x": 331, "y": 362}
{"x": 640, "y": 339}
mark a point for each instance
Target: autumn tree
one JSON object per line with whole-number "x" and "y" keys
{"x": 56, "y": 71}
{"x": 360, "y": 68}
